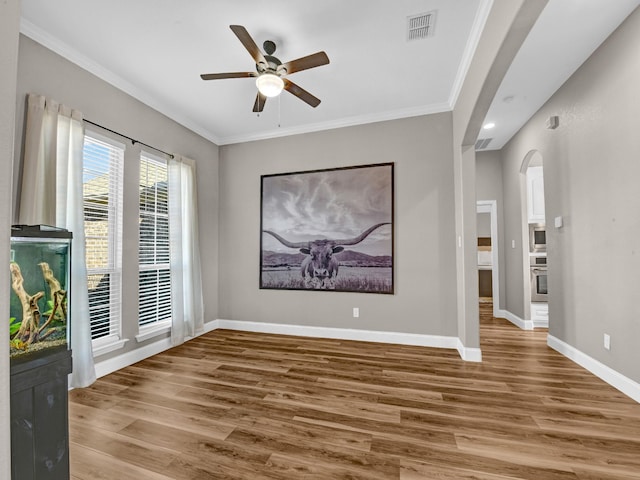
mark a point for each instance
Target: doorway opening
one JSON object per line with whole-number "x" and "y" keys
{"x": 534, "y": 240}
{"x": 488, "y": 252}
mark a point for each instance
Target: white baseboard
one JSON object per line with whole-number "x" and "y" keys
{"x": 469, "y": 354}
{"x": 436, "y": 341}
{"x": 612, "y": 377}
{"x": 537, "y": 322}
{"x": 517, "y": 321}
{"x": 211, "y": 326}
{"x": 111, "y": 365}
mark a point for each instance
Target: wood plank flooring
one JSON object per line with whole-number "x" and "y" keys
{"x": 235, "y": 405}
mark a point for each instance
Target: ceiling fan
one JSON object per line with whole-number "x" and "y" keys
{"x": 270, "y": 71}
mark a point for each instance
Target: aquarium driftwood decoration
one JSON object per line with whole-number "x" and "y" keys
{"x": 58, "y": 295}
{"x": 30, "y": 329}
{"x": 28, "y": 332}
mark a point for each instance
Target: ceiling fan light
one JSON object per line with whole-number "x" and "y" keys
{"x": 269, "y": 85}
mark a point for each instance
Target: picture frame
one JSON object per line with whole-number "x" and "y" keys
{"x": 328, "y": 230}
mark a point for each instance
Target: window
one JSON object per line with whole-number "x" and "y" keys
{"x": 154, "y": 281}
{"x": 103, "y": 162}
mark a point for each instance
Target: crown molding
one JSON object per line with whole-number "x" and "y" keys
{"x": 340, "y": 123}
{"x": 68, "y": 52}
{"x": 74, "y": 56}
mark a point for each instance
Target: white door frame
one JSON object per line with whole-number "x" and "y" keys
{"x": 491, "y": 207}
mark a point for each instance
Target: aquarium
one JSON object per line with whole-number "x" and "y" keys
{"x": 39, "y": 305}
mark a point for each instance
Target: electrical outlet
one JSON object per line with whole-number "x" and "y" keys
{"x": 607, "y": 341}
{"x": 356, "y": 312}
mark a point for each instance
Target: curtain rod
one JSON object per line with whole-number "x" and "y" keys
{"x": 133, "y": 140}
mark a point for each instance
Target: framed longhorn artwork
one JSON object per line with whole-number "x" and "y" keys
{"x": 328, "y": 230}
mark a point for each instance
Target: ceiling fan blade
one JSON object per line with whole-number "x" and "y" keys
{"x": 304, "y": 63}
{"x": 248, "y": 43}
{"x": 301, "y": 93}
{"x": 258, "y": 105}
{"x": 219, "y": 76}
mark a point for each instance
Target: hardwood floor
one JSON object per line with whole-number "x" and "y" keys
{"x": 238, "y": 405}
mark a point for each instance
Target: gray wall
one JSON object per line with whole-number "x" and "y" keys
{"x": 489, "y": 187}
{"x": 591, "y": 173}
{"x": 44, "y": 72}
{"x": 514, "y": 214}
{"x": 489, "y": 177}
{"x": 425, "y": 281}
{"x": 483, "y": 225}
{"x": 9, "y": 23}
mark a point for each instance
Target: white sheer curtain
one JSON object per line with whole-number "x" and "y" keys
{"x": 186, "y": 278}
{"x": 52, "y": 195}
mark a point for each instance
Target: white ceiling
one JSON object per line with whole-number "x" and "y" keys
{"x": 155, "y": 50}
{"x": 565, "y": 35}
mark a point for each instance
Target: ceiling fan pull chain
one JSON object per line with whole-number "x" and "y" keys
{"x": 279, "y": 97}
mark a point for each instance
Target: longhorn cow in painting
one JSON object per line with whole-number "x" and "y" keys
{"x": 320, "y": 268}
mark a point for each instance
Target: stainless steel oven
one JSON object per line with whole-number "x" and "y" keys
{"x": 537, "y": 238}
{"x": 538, "y": 279}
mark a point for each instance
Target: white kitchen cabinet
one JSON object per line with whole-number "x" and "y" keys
{"x": 535, "y": 195}
{"x": 540, "y": 314}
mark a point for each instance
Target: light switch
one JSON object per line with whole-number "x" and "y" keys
{"x": 558, "y": 222}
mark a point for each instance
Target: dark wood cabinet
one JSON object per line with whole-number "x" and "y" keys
{"x": 40, "y": 418}
{"x": 485, "y": 283}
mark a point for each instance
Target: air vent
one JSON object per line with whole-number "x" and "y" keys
{"x": 483, "y": 143}
{"x": 420, "y": 26}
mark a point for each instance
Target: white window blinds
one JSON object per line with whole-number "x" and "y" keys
{"x": 154, "y": 285}
{"x": 102, "y": 179}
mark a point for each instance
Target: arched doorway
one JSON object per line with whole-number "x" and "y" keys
{"x": 534, "y": 236}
